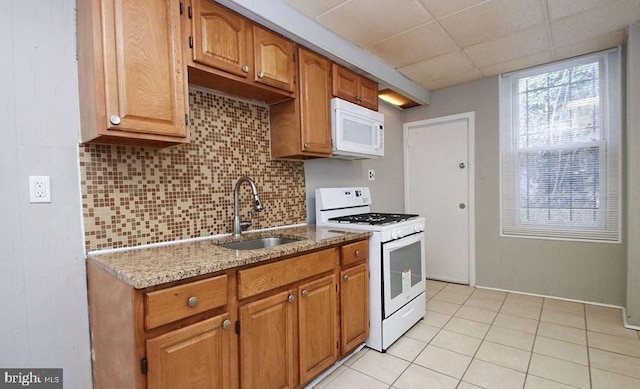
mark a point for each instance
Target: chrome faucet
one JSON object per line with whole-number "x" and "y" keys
{"x": 238, "y": 224}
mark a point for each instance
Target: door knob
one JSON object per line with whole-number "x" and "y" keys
{"x": 462, "y": 165}
{"x": 226, "y": 324}
{"x": 291, "y": 298}
{"x": 115, "y": 120}
{"x": 260, "y": 74}
{"x": 245, "y": 68}
{"x": 462, "y": 206}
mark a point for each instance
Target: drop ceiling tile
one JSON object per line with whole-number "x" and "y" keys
{"x": 614, "y": 16}
{"x": 519, "y": 44}
{"x": 517, "y": 64}
{"x": 455, "y": 79}
{"x": 561, "y": 8}
{"x": 435, "y": 71}
{"x": 493, "y": 19}
{"x": 424, "y": 42}
{"x": 440, "y": 8}
{"x": 365, "y": 22}
{"x": 313, "y": 8}
{"x": 601, "y": 42}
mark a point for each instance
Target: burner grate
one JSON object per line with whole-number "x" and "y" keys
{"x": 374, "y": 218}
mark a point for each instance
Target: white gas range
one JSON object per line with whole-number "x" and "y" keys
{"x": 396, "y": 260}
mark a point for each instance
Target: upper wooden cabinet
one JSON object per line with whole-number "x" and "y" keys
{"x": 131, "y": 76}
{"x": 219, "y": 38}
{"x": 274, "y": 59}
{"x": 301, "y": 128}
{"x": 230, "y": 53}
{"x": 355, "y": 88}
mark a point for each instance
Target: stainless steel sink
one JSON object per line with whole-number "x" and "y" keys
{"x": 258, "y": 243}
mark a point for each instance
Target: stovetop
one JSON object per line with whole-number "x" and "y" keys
{"x": 373, "y": 218}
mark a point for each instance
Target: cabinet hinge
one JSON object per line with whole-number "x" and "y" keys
{"x": 190, "y": 42}
{"x": 186, "y": 119}
{"x": 190, "y": 12}
{"x": 337, "y": 346}
{"x": 238, "y": 327}
{"x": 144, "y": 366}
{"x": 181, "y": 8}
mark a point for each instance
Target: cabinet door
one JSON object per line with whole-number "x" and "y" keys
{"x": 267, "y": 342}
{"x": 274, "y": 59}
{"x": 345, "y": 84}
{"x": 368, "y": 93}
{"x": 219, "y": 38}
{"x": 314, "y": 98}
{"x": 196, "y": 356}
{"x": 144, "y": 76}
{"x": 318, "y": 326}
{"x": 354, "y": 300}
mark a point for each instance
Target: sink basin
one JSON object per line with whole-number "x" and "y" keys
{"x": 258, "y": 243}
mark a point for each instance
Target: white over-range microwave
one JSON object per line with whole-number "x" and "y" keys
{"x": 357, "y": 132}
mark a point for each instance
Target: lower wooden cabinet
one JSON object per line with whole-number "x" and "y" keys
{"x": 275, "y": 325}
{"x": 354, "y": 300}
{"x": 317, "y": 326}
{"x": 267, "y": 342}
{"x": 196, "y": 356}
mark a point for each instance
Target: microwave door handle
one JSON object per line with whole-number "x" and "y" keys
{"x": 379, "y": 133}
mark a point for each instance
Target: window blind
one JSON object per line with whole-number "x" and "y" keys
{"x": 560, "y": 142}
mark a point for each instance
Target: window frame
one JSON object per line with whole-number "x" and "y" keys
{"x": 608, "y": 227}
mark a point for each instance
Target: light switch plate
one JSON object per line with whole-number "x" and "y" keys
{"x": 39, "y": 189}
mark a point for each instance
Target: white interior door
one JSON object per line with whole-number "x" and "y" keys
{"x": 438, "y": 157}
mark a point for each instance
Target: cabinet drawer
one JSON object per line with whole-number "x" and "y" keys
{"x": 266, "y": 277}
{"x": 354, "y": 252}
{"x": 171, "y": 304}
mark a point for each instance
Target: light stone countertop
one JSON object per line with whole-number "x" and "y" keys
{"x": 146, "y": 267}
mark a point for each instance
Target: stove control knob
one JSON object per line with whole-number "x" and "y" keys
{"x": 394, "y": 234}
{"x": 416, "y": 228}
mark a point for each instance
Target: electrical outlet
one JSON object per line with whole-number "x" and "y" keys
{"x": 39, "y": 189}
{"x": 372, "y": 175}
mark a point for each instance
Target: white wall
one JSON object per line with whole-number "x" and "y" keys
{"x": 43, "y": 309}
{"x": 387, "y": 191}
{"x": 633, "y": 176}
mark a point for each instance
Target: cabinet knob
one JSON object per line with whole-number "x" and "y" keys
{"x": 260, "y": 74}
{"x": 357, "y": 253}
{"x": 305, "y": 293}
{"x": 291, "y": 298}
{"x": 359, "y": 98}
{"x": 245, "y": 68}
{"x": 345, "y": 277}
{"x": 192, "y": 302}
{"x": 115, "y": 120}
{"x": 306, "y": 145}
{"x": 226, "y": 324}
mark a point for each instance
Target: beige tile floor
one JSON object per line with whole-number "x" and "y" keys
{"x": 478, "y": 338}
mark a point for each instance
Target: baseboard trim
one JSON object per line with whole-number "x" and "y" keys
{"x": 623, "y": 309}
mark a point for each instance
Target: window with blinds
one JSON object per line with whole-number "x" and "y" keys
{"x": 560, "y": 134}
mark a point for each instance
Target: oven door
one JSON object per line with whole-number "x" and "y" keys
{"x": 402, "y": 271}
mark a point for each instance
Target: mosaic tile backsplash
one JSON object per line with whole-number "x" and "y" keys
{"x": 133, "y": 196}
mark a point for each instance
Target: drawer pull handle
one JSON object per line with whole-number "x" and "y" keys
{"x": 305, "y": 293}
{"x": 357, "y": 253}
{"x": 226, "y": 324}
{"x": 345, "y": 277}
{"x": 291, "y": 298}
{"x": 192, "y": 302}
